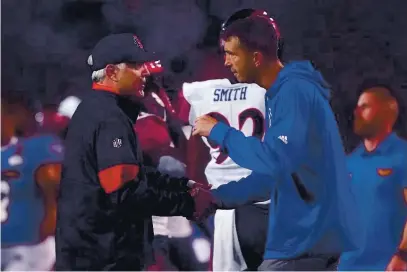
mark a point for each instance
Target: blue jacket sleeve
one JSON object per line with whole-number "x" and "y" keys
{"x": 254, "y": 188}
{"x": 280, "y": 151}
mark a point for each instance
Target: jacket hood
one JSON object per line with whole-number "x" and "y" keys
{"x": 301, "y": 70}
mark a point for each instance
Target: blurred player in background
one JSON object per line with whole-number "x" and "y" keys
{"x": 173, "y": 241}
{"x": 378, "y": 175}
{"x": 155, "y": 140}
{"x": 30, "y": 173}
{"x": 197, "y": 155}
{"x": 242, "y": 107}
{"x": 50, "y": 119}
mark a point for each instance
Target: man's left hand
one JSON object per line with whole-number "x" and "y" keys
{"x": 397, "y": 264}
{"x": 203, "y": 125}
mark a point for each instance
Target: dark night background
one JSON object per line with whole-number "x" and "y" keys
{"x": 45, "y": 43}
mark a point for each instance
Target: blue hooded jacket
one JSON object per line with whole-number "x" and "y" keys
{"x": 300, "y": 164}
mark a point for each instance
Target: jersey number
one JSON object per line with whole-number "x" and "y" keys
{"x": 6, "y": 176}
{"x": 5, "y": 201}
{"x": 251, "y": 113}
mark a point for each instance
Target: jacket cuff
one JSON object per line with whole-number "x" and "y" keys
{"x": 218, "y": 133}
{"x": 183, "y": 184}
{"x": 218, "y": 200}
{"x": 187, "y": 208}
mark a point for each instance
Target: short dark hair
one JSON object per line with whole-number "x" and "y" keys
{"x": 370, "y": 83}
{"x": 255, "y": 34}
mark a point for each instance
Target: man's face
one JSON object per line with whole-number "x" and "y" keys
{"x": 131, "y": 80}
{"x": 239, "y": 60}
{"x": 369, "y": 115}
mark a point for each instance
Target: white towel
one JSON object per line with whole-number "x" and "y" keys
{"x": 227, "y": 255}
{"x": 171, "y": 166}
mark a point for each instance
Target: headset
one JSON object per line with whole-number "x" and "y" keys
{"x": 246, "y": 13}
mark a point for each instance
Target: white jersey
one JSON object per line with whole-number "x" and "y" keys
{"x": 241, "y": 106}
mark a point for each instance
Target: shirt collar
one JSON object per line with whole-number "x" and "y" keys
{"x": 96, "y": 87}
{"x": 381, "y": 148}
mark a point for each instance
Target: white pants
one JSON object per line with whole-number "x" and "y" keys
{"x": 227, "y": 255}
{"x": 39, "y": 257}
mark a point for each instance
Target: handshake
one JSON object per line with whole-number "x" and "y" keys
{"x": 205, "y": 203}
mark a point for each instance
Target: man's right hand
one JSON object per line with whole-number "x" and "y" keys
{"x": 205, "y": 203}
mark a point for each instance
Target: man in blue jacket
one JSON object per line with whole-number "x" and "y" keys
{"x": 300, "y": 162}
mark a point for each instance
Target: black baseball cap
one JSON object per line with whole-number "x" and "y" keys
{"x": 118, "y": 48}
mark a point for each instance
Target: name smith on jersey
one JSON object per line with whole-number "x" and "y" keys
{"x": 231, "y": 94}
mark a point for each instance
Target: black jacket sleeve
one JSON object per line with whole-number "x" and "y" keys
{"x": 165, "y": 182}
{"x": 153, "y": 198}
{"x": 150, "y": 193}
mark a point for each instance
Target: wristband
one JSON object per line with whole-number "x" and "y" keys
{"x": 191, "y": 183}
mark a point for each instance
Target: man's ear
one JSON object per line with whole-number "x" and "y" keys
{"x": 111, "y": 72}
{"x": 394, "y": 109}
{"x": 258, "y": 58}
{"x": 393, "y": 105}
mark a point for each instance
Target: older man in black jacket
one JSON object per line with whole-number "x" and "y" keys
{"x": 107, "y": 196}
